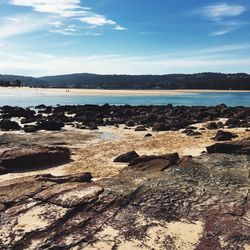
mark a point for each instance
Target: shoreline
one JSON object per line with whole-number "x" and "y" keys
{"x": 107, "y": 92}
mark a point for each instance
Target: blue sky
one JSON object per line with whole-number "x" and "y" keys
{"x": 46, "y": 37}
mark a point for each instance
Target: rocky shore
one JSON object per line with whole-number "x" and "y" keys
{"x": 173, "y": 178}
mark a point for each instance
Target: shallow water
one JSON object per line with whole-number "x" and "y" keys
{"x": 192, "y": 99}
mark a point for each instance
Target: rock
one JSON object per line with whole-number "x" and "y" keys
{"x": 9, "y": 112}
{"x": 140, "y": 128}
{"x": 33, "y": 157}
{"x": 201, "y": 198}
{"x": 237, "y": 147}
{"x": 8, "y": 125}
{"x": 85, "y": 177}
{"x": 127, "y": 158}
{"x": 212, "y": 125}
{"x": 194, "y": 133}
{"x": 30, "y": 128}
{"x": 148, "y": 135}
{"x": 232, "y": 122}
{"x": 160, "y": 127}
{"x": 190, "y": 132}
{"x": 172, "y": 158}
{"x": 224, "y": 135}
{"x": 50, "y": 125}
{"x": 3, "y": 170}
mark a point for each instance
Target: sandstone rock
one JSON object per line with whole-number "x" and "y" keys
{"x": 199, "y": 199}
{"x": 127, "y": 158}
{"x": 172, "y": 158}
{"x": 33, "y": 157}
{"x": 224, "y": 135}
{"x": 237, "y": 147}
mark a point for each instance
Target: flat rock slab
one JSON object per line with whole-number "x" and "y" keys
{"x": 33, "y": 157}
{"x": 201, "y": 203}
{"x": 236, "y": 147}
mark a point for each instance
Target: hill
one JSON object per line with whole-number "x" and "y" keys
{"x": 219, "y": 81}
{"x": 238, "y": 81}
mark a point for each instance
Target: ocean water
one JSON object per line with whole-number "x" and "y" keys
{"x": 194, "y": 99}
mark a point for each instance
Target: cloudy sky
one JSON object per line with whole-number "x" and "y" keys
{"x": 47, "y": 37}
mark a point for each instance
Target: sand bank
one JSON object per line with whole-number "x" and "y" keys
{"x": 96, "y": 92}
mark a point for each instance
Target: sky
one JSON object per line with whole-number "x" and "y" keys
{"x": 51, "y": 37}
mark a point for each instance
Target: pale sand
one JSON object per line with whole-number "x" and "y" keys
{"x": 183, "y": 235}
{"x": 105, "y": 92}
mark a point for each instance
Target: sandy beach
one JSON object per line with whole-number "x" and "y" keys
{"x": 105, "y": 92}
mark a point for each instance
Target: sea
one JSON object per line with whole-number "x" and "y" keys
{"x": 192, "y": 99}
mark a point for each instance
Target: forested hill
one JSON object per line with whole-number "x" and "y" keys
{"x": 218, "y": 81}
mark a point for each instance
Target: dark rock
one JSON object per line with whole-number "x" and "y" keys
{"x": 160, "y": 127}
{"x": 232, "y": 122}
{"x": 3, "y": 170}
{"x": 8, "y": 125}
{"x": 33, "y": 157}
{"x": 148, "y": 135}
{"x": 30, "y": 128}
{"x": 194, "y": 133}
{"x": 127, "y": 158}
{"x": 172, "y": 158}
{"x": 50, "y": 125}
{"x": 237, "y": 147}
{"x": 224, "y": 135}
{"x": 140, "y": 128}
{"x": 212, "y": 125}
{"x": 85, "y": 177}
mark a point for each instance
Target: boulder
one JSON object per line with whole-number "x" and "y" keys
{"x": 153, "y": 162}
{"x": 50, "y": 125}
{"x": 140, "y": 128}
{"x": 30, "y": 128}
{"x": 127, "y": 158}
{"x": 224, "y": 135}
{"x": 232, "y": 122}
{"x": 212, "y": 125}
{"x": 8, "y": 125}
{"x": 160, "y": 127}
{"x": 33, "y": 157}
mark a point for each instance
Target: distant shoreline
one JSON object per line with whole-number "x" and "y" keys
{"x": 108, "y": 92}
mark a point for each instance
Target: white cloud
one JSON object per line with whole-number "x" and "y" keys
{"x": 221, "y": 15}
{"x": 18, "y": 25}
{"x": 71, "y": 10}
{"x": 221, "y": 32}
{"x": 207, "y": 59}
{"x": 97, "y": 20}
{"x": 220, "y": 11}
